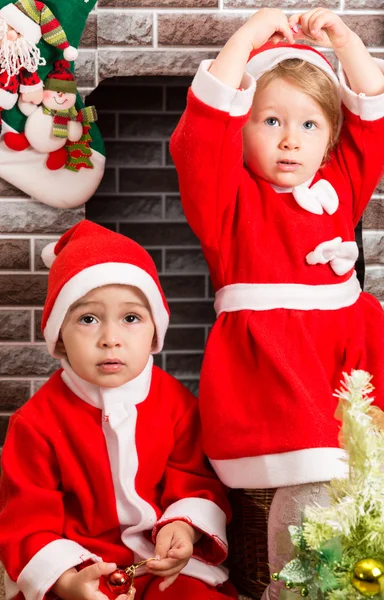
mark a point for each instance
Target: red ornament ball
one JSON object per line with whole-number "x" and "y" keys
{"x": 118, "y": 582}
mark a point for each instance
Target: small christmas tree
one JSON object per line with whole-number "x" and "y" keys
{"x": 340, "y": 549}
{"x": 79, "y": 153}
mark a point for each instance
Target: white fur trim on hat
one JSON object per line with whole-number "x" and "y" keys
{"x": 21, "y": 23}
{"x": 265, "y": 61}
{"x": 97, "y": 276}
{"x": 48, "y": 255}
{"x": 70, "y": 53}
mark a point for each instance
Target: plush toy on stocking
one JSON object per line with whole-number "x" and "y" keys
{"x": 64, "y": 156}
{"x": 50, "y": 126}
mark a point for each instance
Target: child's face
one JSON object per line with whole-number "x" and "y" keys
{"x": 108, "y": 335}
{"x": 287, "y": 135}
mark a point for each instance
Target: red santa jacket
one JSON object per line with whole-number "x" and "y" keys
{"x": 93, "y": 473}
{"x": 269, "y": 373}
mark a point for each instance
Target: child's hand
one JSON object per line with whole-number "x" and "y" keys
{"x": 84, "y": 584}
{"x": 174, "y": 547}
{"x": 268, "y": 24}
{"x": 321, "y": 26}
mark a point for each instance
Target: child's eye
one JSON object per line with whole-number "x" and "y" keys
{"x": 88, "y": 320}
{"x": 309, "y": 125}
{"x": 272, "y": 122}
{"x": 131, "y": 319}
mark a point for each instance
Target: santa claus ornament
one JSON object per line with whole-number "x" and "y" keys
{"x": 55, "y": 126}
{"x": 37, "y": 41}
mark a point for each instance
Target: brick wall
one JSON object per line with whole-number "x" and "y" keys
{"x": 142, "y": 38}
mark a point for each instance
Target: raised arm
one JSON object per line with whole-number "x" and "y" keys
{"x": 207, "y": 143}
{"x": 358, "y": 156}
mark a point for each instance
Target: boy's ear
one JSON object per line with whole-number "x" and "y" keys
{"x": 60, "y": 346}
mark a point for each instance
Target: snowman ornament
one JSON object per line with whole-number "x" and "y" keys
{"x": 50, "y": 126}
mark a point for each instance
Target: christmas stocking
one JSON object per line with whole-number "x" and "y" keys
{"x": 51, "y": 148}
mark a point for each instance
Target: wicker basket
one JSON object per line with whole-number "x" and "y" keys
{"x": 248, "y": 548}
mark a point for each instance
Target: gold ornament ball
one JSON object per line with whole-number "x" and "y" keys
{"x": 275, "y": 577}
{"x": 304, "y": 592}
{"x": 368, "y": 576}
{"x": 288, "y": 585}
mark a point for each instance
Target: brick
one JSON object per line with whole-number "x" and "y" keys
{"x": 14, "y": 254}
{"x": 374, "y": 247}
{"x": 177, "y": 29}
{"x": 9, "y": 190}
{"x": 184, "y": 365}
{"x": 277, "y": 4}
{"x": 148, "y": 180}
{"x": 21, "y": 290}
{"x": 370, "y": 28}
{"x": 185, "y": 338}
{"x": 30, "y": 361}
{"x": 15, "y": 326}
{"x": 176, "y": 97}
{"x": 3, "y": 428}
{"x": 118, "y": 93}
{"x": 168, "y": 157}
{"x": 89, "y": 37}
{"x": 182, "y": 286}
{"x": 38, "y": 333}
{"x": 363, "y": 4}
{"x": 163, "y": 62}
{"x": 106, "y": 122}
{"x": 124, "y": 208}
{"x": 39, "y": 245}
{"x": 158, "y": 3}
{"x": 174, "y": 208}
{"x": 191, "y": 260}
{"x": 380, "y": 187}
{"x": 118, "y": 28}
{"x": 374, "y": 282}
{"x": 374, "y": 214}
{"x": 196, "y": 313}
{"x": 151, "y": 234}
{"x": 13, "y": 394}
{"x": 34, "y": 217}
{"x": 108, "y": 183}
{"x": 147, "y": 126}
{"x": 121, "y": 154}
{"x": 85, "y": 68}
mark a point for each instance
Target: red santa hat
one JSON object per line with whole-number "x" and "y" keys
{"x": 269, "y": 55}
{"x": 34, "y": 20}
{"x": 89, "y": 256}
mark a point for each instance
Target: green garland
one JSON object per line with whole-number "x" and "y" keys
{"x": 340, "y": 549}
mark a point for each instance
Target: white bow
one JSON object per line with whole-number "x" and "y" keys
{"x": 340, "y": 255}
{"x": 320, "y": 196}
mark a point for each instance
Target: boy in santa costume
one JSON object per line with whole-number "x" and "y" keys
{"x": 22, "y": 25}
{"x": 103, "y": 465}
{"x": 275, "y": 173}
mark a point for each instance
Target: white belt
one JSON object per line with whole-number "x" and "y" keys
{"x": 267, "y": 296}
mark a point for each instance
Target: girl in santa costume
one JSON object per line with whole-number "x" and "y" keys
{"x": 103, "y": 466}
{"x": 277, "y": 159}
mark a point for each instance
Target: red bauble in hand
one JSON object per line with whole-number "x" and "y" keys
{"x": 119, "y": 582}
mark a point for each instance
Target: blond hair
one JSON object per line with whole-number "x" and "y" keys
{"x": 314, "y": 82}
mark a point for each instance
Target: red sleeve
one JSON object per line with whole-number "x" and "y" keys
{"x": 28, "y": 79}
{"x": 31, "y": 507}
{"x": 193, "y": 493}
{"x": 360, "y": 158}
{"x": 207, "y": 149}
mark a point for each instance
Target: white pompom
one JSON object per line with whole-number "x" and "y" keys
{"x": 48, "y": 255}
{"x": 70, "y": 53}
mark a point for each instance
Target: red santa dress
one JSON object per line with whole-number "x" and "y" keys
{"x": 92, "y": 473}
{"x": 290, "y": 313}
